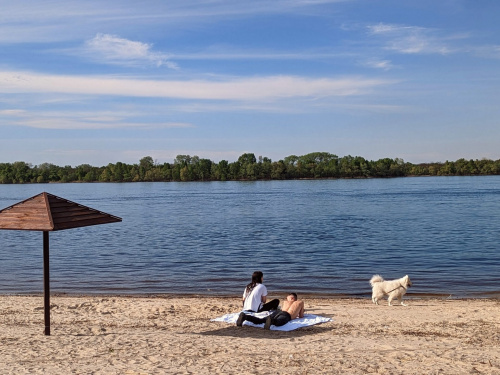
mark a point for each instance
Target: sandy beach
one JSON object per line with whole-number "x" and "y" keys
{"x": 174, "y": 335}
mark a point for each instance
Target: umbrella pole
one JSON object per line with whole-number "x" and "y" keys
{"x": 46, "y": 282}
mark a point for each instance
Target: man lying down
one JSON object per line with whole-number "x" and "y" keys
{"x": 292, "y": 308}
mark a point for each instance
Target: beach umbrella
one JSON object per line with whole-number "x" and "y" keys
{"x": 46, "y": 213}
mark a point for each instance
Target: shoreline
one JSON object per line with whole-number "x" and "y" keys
{"x": 365, "y": 296}
{"x": 172, "y": 334}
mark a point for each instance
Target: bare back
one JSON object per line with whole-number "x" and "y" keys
{"x": 294, "y": 308}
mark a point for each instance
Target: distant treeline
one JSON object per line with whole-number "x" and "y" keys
{"x": 191, "y": 168}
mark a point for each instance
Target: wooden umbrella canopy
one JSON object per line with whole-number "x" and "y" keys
{"x": 46, "y": 212}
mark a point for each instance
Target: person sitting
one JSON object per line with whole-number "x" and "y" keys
{"x": 292, "y": 309}
{"x": 255, "y": 295}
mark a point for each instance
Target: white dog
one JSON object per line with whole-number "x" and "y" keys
{"x": 393, "y": 288}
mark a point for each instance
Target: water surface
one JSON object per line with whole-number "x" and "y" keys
{"x": 315, "y": 236}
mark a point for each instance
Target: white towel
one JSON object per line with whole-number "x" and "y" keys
{"x": 307, "y": 320}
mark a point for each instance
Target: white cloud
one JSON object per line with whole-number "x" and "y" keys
{"x": 83, "y": 120}
{"x": 410, "y": 39}
{"x": 115, "y": 50}
{"x": 257, "y": 89}
{"x": 379, "y": 64}
{"x": 12, "y": 112}
{"x": 70, "y": 123}
{"x": 382, "y": 28}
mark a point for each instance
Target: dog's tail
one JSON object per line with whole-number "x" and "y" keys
{"x": 376, "y": 279}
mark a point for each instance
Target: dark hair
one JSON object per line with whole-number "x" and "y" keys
{"x": 293, "y": 294}
{"x": 256, "y": 279}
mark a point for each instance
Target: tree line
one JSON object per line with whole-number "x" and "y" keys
{"x": 316, "y": 165}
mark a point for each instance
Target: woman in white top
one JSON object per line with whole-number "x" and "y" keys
{"x": 255, "y": 295}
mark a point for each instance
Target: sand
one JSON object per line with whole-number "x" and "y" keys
{"x": 174, "y": 335}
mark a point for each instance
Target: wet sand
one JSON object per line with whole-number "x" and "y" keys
{"x": 174, "y": 335}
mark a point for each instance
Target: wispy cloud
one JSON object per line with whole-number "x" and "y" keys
{"x": 411, "y": 39}
{"x": 58, "y": 20}
{"x": 115, "y": 50}
{"x": 112, "y": 49}
{"x": 72, "y": 124}
{"x": 258, "y": 88}
{"x": 83, "y": 120}
{"x": 12, "y": 112}
{"x": 379, "y": 64}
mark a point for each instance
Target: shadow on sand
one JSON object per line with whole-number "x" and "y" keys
{"x": 255, "y": 332}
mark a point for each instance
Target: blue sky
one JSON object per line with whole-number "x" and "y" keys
{"x": 104, "y": 81}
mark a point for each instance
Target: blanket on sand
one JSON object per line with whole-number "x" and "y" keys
{"x": 307, "y": 320}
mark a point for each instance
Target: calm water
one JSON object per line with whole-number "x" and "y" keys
{"x": 309, "y": 236}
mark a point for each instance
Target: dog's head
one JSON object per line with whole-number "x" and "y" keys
{"x": 407, "y": 281}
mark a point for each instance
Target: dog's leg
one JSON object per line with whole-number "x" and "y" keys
{"x": 389, "y": 300}
{"x": 400, "y": 300}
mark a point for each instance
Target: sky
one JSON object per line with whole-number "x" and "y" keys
{"x": 97, "y": 82}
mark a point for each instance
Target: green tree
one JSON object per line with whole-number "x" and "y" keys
{"x": 21, "y": 172}
{"x": 185, "y": 174}
{"x": 203, "y": 169}
{"x": 278, "y": 171}
{"x": 247, "y": 166}
{"x": 234, "y": 170}
{"x": 223, "y": 170}
{"x": 182, "y": 160}
{"x": 107, "y": 174}
{"x": 82, "y": 171}
{"x": 6, "y": 173}
{"x": 265, "y": 167}
{"x": 145, "y": 164}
